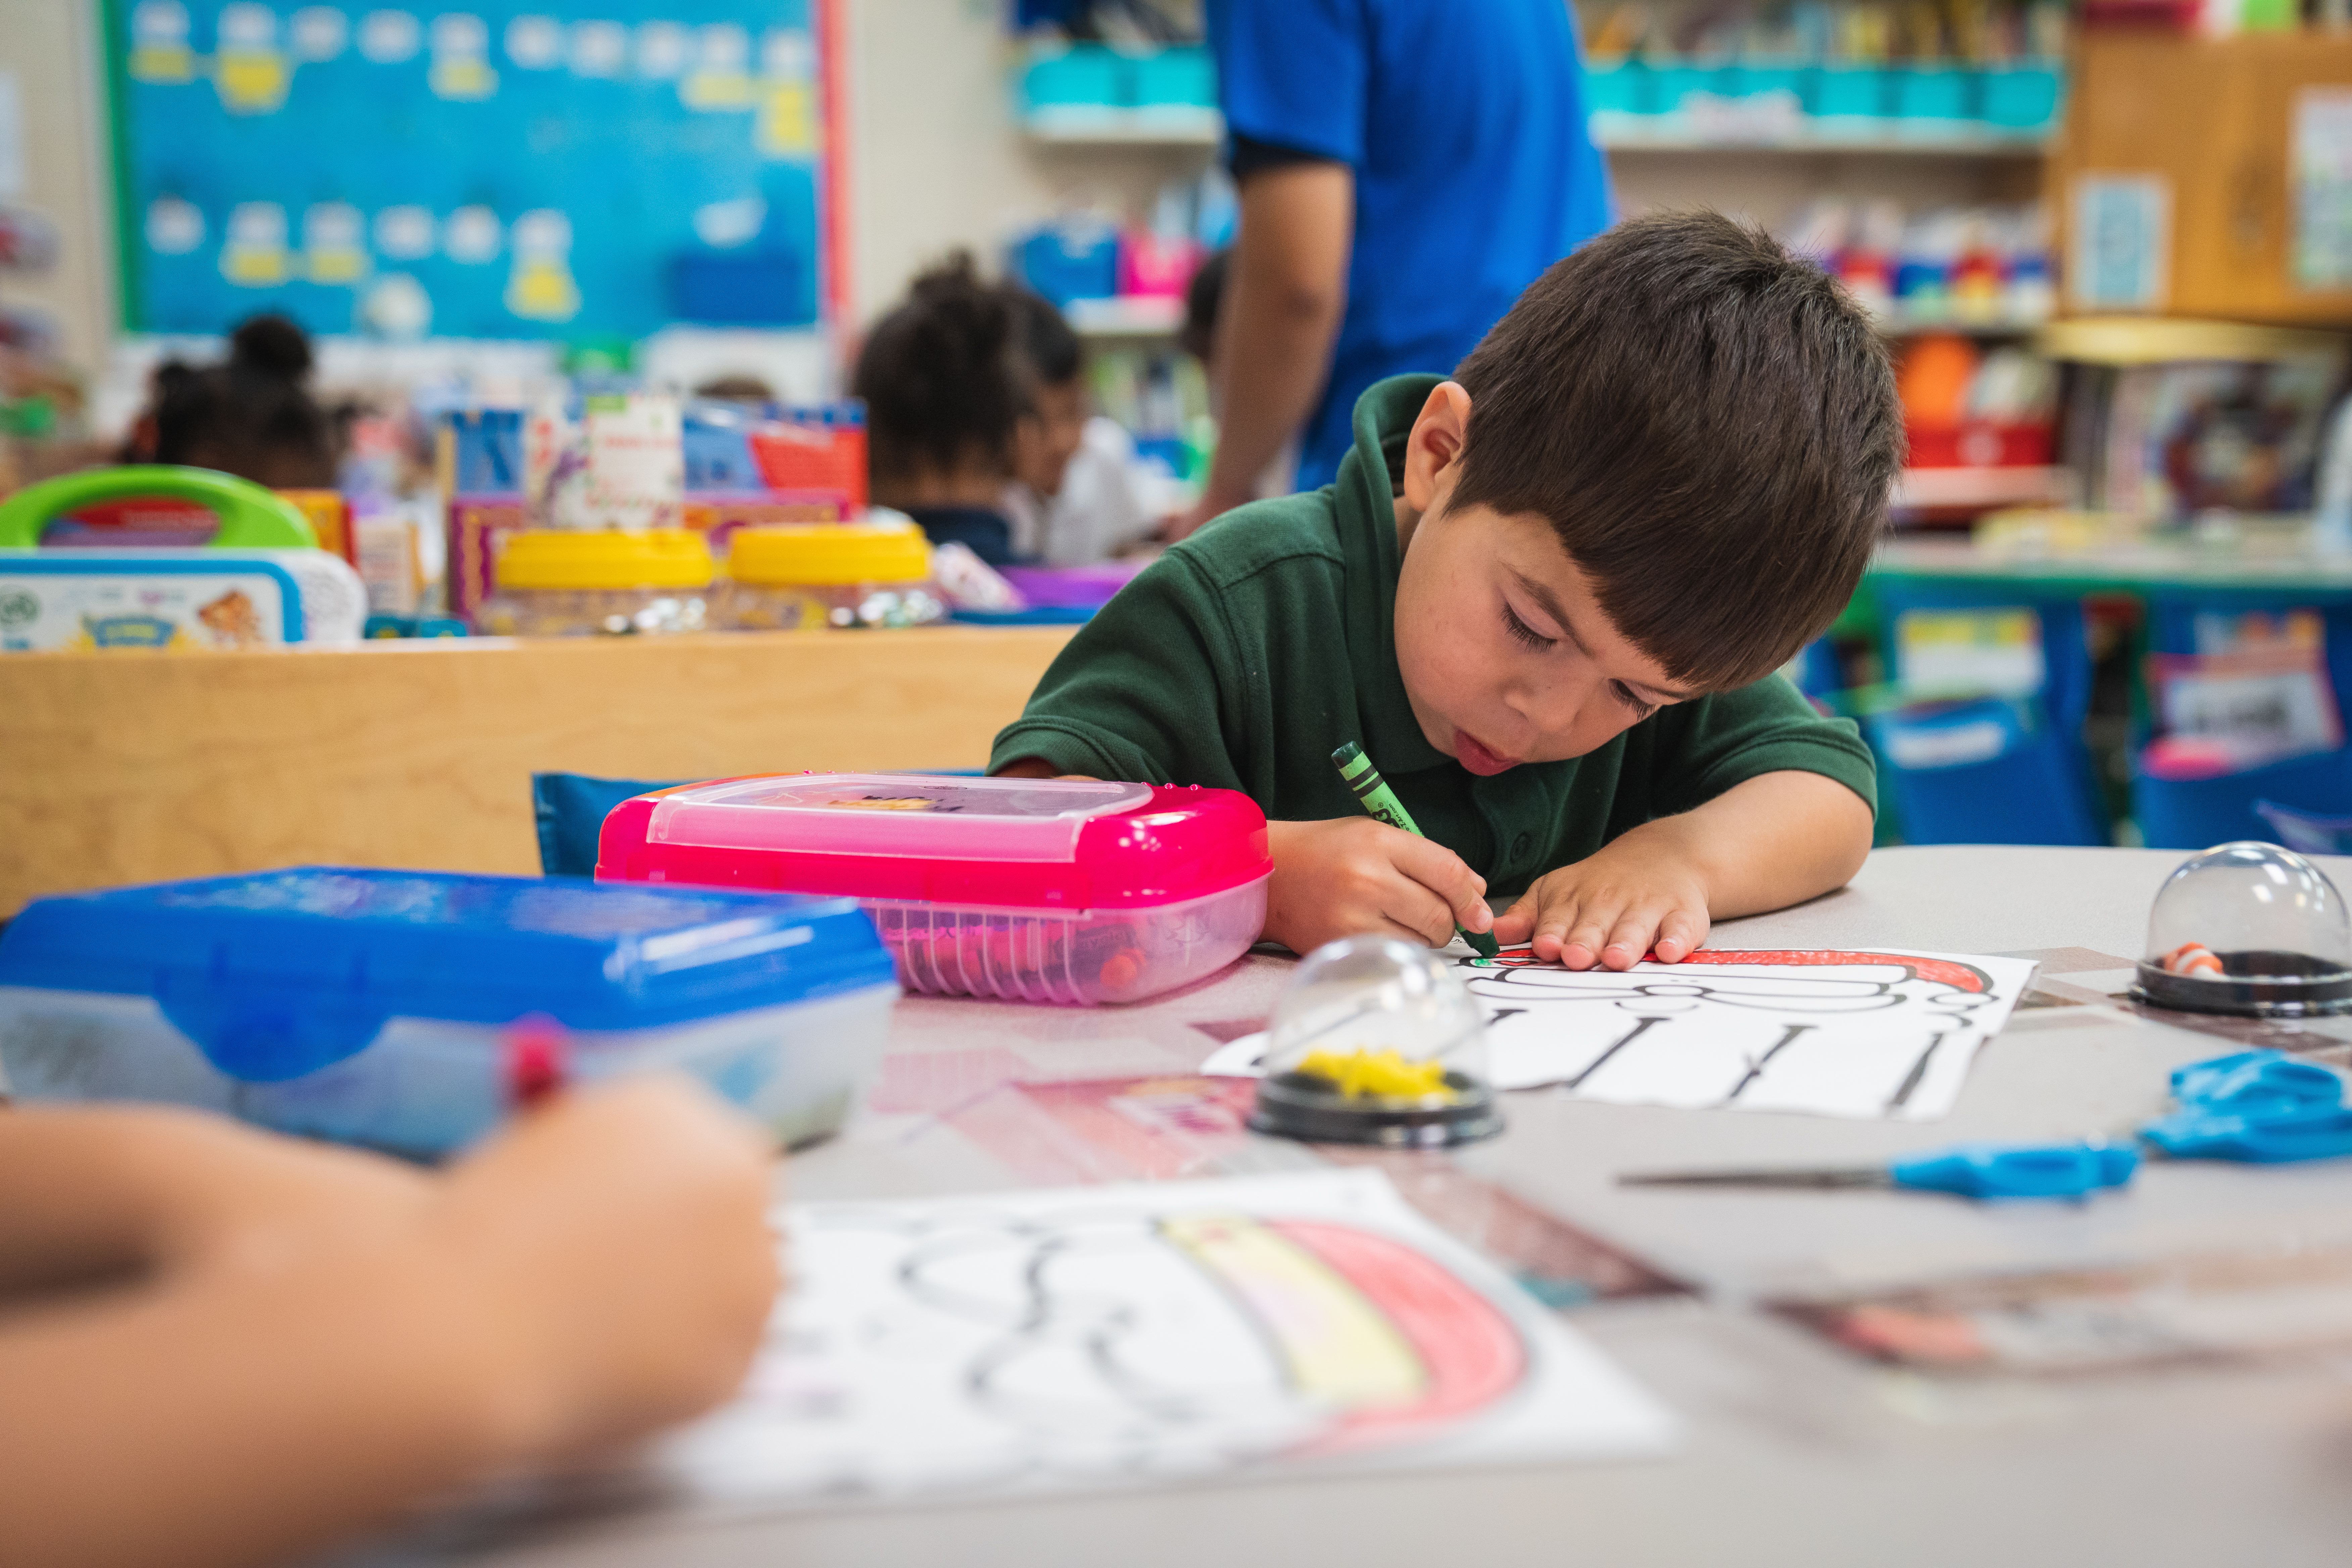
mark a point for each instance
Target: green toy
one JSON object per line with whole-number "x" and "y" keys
{"x": 251, "y": 518}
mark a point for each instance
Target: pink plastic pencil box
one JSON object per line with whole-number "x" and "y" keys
{"x": 1028, "y": 890}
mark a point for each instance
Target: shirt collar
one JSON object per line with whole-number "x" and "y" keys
{"x": 1365, "y": 497}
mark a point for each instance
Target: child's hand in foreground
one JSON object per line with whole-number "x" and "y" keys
{"x": 1612, "y": 908}
{"x": 619, "y": 1241}
{"x": 1353, "y": 875}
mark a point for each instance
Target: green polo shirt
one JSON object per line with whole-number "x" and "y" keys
{"x": 1242, "y": 658}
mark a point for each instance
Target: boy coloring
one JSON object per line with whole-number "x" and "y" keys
{"x": 1549, "y": 597}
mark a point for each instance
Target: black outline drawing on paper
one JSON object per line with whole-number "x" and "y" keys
{"x": 1941, "y": 995}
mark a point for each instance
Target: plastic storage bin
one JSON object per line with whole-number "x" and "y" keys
{"x": 370, "y": 1006}
{"x": 829, "y": 574}
{"x": 1027, "y": 889}
{"x": 2022, "y": 98}
{"x": 1183, "y": 75}
{"x": 560, "y": 582}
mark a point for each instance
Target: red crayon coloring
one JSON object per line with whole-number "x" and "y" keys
{"x": 534, "y": 1060}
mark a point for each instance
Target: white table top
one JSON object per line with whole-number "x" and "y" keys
{"x": 1795, "y": 1452}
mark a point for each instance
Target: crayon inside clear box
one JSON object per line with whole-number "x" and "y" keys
{"x": 1080, "y": 957}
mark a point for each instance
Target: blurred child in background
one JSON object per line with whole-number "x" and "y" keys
{"x": 978, "y": 425}
{"x": 1074, "y": 500}
{"x": 947, "y": 383}
{"x": 252, "y": 415}
{"x": 225, "y": 1347}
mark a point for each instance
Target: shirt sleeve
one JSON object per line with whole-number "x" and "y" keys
{"x": 1726, "y": 738}
{"x": 1292, "y": 73}
{"x": 1135, "y": 695}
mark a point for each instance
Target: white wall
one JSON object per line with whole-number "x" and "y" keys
{"x": 49, "y": 47}
{"x": 936, "y": 158}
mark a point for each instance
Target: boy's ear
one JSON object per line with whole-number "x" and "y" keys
{"x": 1432, "y": 453}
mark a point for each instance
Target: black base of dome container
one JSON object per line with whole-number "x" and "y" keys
{"x": 2254, "y": 983}
{"x": 1301, "y": 1106}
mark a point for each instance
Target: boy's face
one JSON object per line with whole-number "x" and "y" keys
{"x": 1507, "y": 655}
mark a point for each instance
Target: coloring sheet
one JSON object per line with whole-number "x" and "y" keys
{"x": 1885, "y": 1032}
{"x": 1133, "y": 1336}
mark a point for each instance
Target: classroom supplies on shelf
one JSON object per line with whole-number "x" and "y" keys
{"x": 2274, "y": 924}
{"x": 561, "y": 583}
{"x": 1027, "y": 889}
{"x": 845, "y": 575}
{"x": 1377, "y": 1041}
{"x": 261, "y": 582}
{"x": 2243, "y": 699}
{"x": 1983, "y": 743}
{"x": 370, "y": 1007}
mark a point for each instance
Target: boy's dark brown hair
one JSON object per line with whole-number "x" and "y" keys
{"x": 1710, "y": 425}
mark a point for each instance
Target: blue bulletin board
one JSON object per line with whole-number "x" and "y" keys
{"x": 499, "y": 172}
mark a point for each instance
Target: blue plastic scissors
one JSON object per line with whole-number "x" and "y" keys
{"x": 2258, "y": 1107}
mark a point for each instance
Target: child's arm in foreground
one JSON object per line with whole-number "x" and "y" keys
{"x": 293, "y": 1371}
{"x": 1776, "y": 840}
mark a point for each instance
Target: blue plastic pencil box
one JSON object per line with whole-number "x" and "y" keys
{"x": 374, "y": 1007}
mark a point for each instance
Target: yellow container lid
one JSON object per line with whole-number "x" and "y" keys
{"x": 829, "y": 554}
{"x": 566, "y": 558}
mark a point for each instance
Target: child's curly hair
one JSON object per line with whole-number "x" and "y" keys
{"x": 947, "y": 375}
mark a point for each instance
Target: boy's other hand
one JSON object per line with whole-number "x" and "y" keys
{"x": 619, "y": 1235}
{"x": 1352, "y": 875}
{"x": 1612, "y": 909}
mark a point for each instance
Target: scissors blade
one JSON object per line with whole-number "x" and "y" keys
{"x": 1782, "y": 1177}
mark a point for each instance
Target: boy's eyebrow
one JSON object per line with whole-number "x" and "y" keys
{"x": 1549, "y": 604}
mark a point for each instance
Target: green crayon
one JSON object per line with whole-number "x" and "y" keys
{"x": 1356, "y": 769}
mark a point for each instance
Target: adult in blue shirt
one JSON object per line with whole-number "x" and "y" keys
{"x": 1406, "y": 167}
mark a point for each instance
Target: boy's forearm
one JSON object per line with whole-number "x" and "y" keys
{"x": 1772, "y": 841}
{"x": 244, "y": 1416}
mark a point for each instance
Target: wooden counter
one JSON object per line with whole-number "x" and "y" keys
{"x": 126, "y": 766}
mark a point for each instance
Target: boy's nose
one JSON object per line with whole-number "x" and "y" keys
{"x": 1552, "y": 708}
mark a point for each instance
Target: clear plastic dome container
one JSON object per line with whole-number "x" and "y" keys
{"x": 2249, "y": 928}
{"x": 1376, "y": 1041}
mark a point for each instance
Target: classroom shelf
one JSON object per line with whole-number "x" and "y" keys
{"x": 1907, "y": 324}
{"x": 157, "y": 765}
{"x": 1139, "y": 316}
{"x": 1669, "y": 138}
{"x": 1089, "y": 126}
{"x": 1928, "y": 489}
{"x": 2161, "y": 339}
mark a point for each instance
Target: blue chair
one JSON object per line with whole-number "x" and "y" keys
{"x": 2191, "y": 813}
{"x": 2000, "y": 768}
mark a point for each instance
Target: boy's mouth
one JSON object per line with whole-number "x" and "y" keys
{"x": 1477, "y": 758}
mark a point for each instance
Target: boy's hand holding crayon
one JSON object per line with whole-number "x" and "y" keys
{"x": 1353, "y": 875}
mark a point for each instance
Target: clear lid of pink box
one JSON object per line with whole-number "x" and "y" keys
{"x": 920, "y": 816}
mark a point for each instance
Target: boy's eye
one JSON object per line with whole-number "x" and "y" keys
{"x": 1519, "y": 629}
{"x": 1624, "y": 693}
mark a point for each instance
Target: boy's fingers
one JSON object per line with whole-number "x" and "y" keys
{"x": 1589, "y": 935}
{"x": 1517, "y": 924}
{"x": 1444, "y": 873}
{"x": 1629, "y": 939}
{"x": 1420, "y": 911}
{"x": 1553, "y": 923}
{"x": 1680, "y": 934}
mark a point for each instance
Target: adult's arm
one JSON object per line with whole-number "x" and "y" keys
{"x": 1284, "y": 295}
